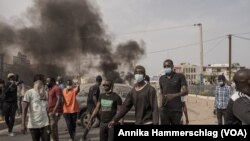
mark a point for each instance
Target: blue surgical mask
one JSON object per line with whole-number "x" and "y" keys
{"x": 139, "y": 77}
{"x": 168, "y": 70}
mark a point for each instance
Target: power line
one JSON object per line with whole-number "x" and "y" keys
{"x": 244, "y": 38}
{"x": 188, "y": 45}
{"x": 215, "y": 45}
{"x": 154, "y": 30}
{"x": 241, "y": 33}
{"x": 183, "y": 46}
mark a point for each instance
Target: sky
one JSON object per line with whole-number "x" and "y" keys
{"x": 167, "y": 28}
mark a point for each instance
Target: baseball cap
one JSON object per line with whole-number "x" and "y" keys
{"x": 10, "y": 75}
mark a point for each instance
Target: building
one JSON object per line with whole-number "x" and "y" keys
{"x": 210, "y": 72}
{"x": 21, "y": 59}
{"x": 213, "y": 70}
{"x": 191, "y": 72}
{"x": 20, "y": 66}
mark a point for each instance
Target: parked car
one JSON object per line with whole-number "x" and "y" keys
{"x": 83, "y": 117}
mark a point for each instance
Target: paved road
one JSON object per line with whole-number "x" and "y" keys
{"x": 200, "y": 110}
{"x": 63, "y": 134}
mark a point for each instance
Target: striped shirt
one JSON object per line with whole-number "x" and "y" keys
{"x": 222, "y": 96}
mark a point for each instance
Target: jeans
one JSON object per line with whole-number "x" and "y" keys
{"x": 1, "y": 108}
{"x": 221, "y": 114}
{"x": 106, "y": 133}
{"x": 70, "y": 119}
{"x": 54, "y": 126}
{"x": 9, "y": 109}
{"x": 43, "y": 133}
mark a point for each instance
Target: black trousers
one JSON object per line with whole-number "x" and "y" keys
{"x": 221, "y": 114}
{"x": 43, "y": 133}
{"x": 70, "y": 119}
{"x": 106, "y": 133}
{"x": 170, "y": 117}
{"x": 1, "y": 108}
{"x": 9, "y": 109}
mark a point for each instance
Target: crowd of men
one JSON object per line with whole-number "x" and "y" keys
{"x": 50, "y": 98}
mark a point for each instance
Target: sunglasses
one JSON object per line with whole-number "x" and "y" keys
{"x": 106, "y": 85}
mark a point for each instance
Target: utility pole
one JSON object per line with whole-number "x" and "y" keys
{"x": 201, "y": 52}
{"x": 230, "y": 56}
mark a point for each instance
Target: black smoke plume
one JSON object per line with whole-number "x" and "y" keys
{"x": 7, "y": 36}
{"x": 64, "y": 32}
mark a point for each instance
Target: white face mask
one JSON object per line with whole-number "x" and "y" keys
{"x": 139, "y": 77}
{"x": 221, "y": 83}
{"x": 69, "y": 87}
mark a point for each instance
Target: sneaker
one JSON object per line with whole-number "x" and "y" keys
{"x": 11, "y": 134}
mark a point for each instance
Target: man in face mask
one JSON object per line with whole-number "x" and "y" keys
{"x": 55, "y": 107}
{"x": 70, "y": 107}
{"x": 35, "y": 100}
{"x": 172, "y": 86}
{"x": 59, "y": 82}
{"x": 47, "y": 81}
{"x": 222, "y": 95}
{"x": 10, "y": 102}
{"x": 143, "y": 98}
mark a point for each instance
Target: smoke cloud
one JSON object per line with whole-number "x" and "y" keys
{"x": 7, "y": 36}
{"x": 66, "y": 33}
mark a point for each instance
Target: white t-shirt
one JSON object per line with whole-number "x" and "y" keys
{"x": 38, "y": 117}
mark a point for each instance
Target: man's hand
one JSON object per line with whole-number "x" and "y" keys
{"x": 111, "y": 124}
{"x": 23, "y": 129}
{"x": 215, "y": 111}
{"x": 90, "y": 123}
{"x": 184, "y": 90}
{"x": 52, "y": 114}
